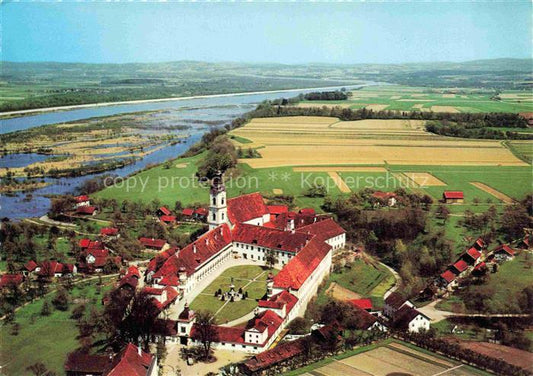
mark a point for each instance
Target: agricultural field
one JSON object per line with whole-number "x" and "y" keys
{"x": 250, "y": 278}
{"x": 326, "y": 141}
{"x": 401, "y": 98}
{"x": 386, "y": 359}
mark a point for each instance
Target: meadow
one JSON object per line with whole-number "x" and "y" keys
{"x": 45, "y": 339}
{"x": 402, "y": 98}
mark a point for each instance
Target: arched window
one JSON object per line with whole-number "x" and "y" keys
{"x": 214, "y": 200}
{"x": 222, "y": 201}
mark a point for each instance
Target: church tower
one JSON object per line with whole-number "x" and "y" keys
{"x": 218, "y": 210}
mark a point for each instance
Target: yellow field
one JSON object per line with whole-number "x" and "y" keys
{"x": 321, "y": 141}
{"x": 424, "y": 179}
{"x": 340, "y": 169}
{"x": 393, "y": 359}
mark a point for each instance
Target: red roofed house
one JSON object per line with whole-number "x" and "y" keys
{"x": 453, "y": 197}
{"x": 471, "y": 256}
{"x": 448, "y": 279}
{"x": 87, "y": 210}
{"x": 29, "y": 267}
{"x": 503, "y": 253}
{"x": 241, "y": 228}
{"x": 392, "y": 304}
{"x": 163, "y": 211}
{"x": 188, "y": 213}
{"x": 410, "y": 319}
{"x": 167, "y": 219}
{"x": 82, "y": 201}
{"x": 388, "y": 198}
{"x": 8, "y": 280}
{"x": 365, "y": 304}
{"x": 108, "y": 232}
{"x": 151, "y": 244}
{"x": 459, "y": 268}
{"x": 96, "y": 259}
{"x": 200, "y": 214}
{"x": 131, "y": 361}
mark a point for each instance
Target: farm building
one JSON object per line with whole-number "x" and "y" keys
{"x": 152, "y": 244}
{"x": 410, "y": 319}
{"x": 503, "y": 253}
{"x": 86, "y": 210}
{"x": 393, "y": 303}
{"x": 82, "y": 201}
{"x": 453, "y": 197}
{"x": 131, "y": 361}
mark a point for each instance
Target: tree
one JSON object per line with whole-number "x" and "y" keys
{"x": 46, "y": 310}
{"x": 207, "y": 333}
{"x": 270, "y": 258}
{"x": 443, "y": 213}
{"x": 61, "y": 299}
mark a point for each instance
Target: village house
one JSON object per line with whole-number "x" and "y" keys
{"x": 11, "y": 280}
{"x": 87, "y": 210}
{"x": 49, "y": 269}
{"x": 82, "y": 201}
{"x": 163, "y": 211}
{"x": 503, "y": 253}
{"x": 385, "y": 198}
{"x": 410, "y": 319}
{"x": 365, "y": 304}
{"x": 109, "y": 233}
{"x": 453, "y": 197}
{"x": 392, "y": 304}
{"x": 188, "y": 214}
{"x": 152, "y": 244}
{"x": 131, "y": 361}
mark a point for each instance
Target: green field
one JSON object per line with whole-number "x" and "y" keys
{"x": 250, "y": 278}
{"x": 362, "y": 278}
{"x": 512, "y": 181}
{"x": 401, "y": 98}
{"x": 179, "y": 183}
{"x": 45, "y": 339}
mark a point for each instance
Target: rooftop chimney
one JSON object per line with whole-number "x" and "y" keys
{"x": 194, "y": 248}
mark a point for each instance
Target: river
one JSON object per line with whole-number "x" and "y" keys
{"x": 203, "y": 111}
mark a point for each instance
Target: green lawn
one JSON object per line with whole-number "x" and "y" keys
{"x": 362, "y": 278}
{"x": 179, "y": 183}
{"x": 45, "y": 339}
{"x": 241, "y": 276}
{"x": 380, "y": 181}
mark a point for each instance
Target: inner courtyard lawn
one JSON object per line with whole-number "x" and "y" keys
{"x": 251, "y": 278}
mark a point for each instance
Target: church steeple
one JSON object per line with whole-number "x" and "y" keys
{"x": 218, "y": 211}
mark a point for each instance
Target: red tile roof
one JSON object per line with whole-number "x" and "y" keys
{"x": 109, "y": 231}
{"x": 448, "y": 276}
{"x": 82, "y": 198}
{"x": 364, "y": 320}
{"x": 383, "y": 195}
{"x": 169, "y": 280}
{"x": 49, "y": 268}
{"x": 85, "y": 209}
{"x": 307, "y": 211}
{"x": 168, "y": 218}
{"x": 246, "y": 207}
{"x": 269, "y": 237}
{"x": 266, "y": 320}
{"x": 134, "y": 271}
{"x": 223, "y": 334}
{"x": 361, "y": 303}
{"x": 453, "y": 195}
{"x": 153, "y": 243}
{"x": 30, "y": 266}
{"x": 187, "y": 212}
{"x": 277, "y": 209}
{"x": 460, "y": 266}
{"x": 504, "y": 248}
{"x": 201, "y": 211}
{"x": 11, "y": 280}
{"x": 405, "y": 315}
{"x": 159, "y": 260}
{"x": 164, "y": 210}
{"x": 395, "y": 300}
{"x": 300, "y": 267}
{"x": 128, "y": 280}
{"x": 84, "y": 243}
{"x": 196, "y": 253}
{"x": 480, "y": 243}
{"x": 277, "y": 301}
{"x": 78, "y": 362}
{"x": 131, "y": 363}
{"x": 324, "y": 230}
{"x": 480, "y": 266}
{"x": 282, "y": 352}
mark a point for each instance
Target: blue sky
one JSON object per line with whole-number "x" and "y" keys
{"x": 265, "y": 32}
